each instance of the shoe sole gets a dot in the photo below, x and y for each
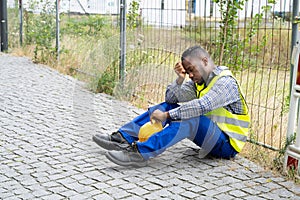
(127, 164)
(109, 145)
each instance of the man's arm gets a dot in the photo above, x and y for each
(176, 93)
(223, 93)
(179, 91)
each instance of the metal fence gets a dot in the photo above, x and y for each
(255, 43)
(257, 49)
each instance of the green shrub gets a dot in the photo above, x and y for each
(91, 25)
(40, 30)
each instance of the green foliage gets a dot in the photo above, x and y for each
(40, 30)
(133, 16)
(232, 45)
(92, 25)
(13, 27)
(278, 162)
(286, 105)
(107, 81)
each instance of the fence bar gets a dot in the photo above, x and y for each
(57, 29)
(122, 41)
(3, 20)
(294, 35)
(21, 21)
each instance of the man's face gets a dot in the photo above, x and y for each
(194, 71)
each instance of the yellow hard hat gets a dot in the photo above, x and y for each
(149, 129)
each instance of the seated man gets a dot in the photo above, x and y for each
(214, 116)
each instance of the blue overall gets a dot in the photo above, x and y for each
(201, 130)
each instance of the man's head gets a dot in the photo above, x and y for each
(197, 63)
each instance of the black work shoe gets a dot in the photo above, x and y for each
(115, 137)
(114, 141)
(126, 158)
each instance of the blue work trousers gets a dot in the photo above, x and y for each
(201, 130)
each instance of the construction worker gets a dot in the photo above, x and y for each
(214, 115)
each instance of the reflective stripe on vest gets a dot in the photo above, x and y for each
(236, 126)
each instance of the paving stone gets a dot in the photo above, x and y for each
(87, 181)
(138, 191)
(117, 182)
(262, 189)
(133, 197)
(176, 189)
(3, 190)
(78, 177)
(21, 191)
(158, 182)
(253, 197)
(189, 195)
(3, 178)
(224, 196)
(175, 181)
(6, 195)
(175, 197)
(58, 189)
(161, 193)
(271, 196)
(128, 186)
(143, 183)
(272, 185)
(103, 196)
(238, 193)
(40, 193)
(252, 191)
(77, 197)
(196, 189)
(224, 189)
(117, 193)
(25, 196)
(291, 186)
(101, 185)
(78, 187)
(92, 193)
(66, 180)
(203, 197)
(53, 196)
(68, 193)
(284, 193)
(209, 185)
(12, 198)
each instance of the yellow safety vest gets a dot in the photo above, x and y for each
(236, 126)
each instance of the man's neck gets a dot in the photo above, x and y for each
(208, 73)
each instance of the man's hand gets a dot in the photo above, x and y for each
(180, 71)
(158, 115)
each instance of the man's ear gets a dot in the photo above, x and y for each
(205, 61)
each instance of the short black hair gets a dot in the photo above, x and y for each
(194, 51)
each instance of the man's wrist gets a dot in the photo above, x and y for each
(168, 115)
(179, 81)
(174, 115)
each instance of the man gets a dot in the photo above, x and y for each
(214, 115)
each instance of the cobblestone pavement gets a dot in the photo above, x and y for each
(46, 124)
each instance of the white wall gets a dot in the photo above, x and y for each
(173, 13)
(90, 6)
(202, 9)
(281, 5)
